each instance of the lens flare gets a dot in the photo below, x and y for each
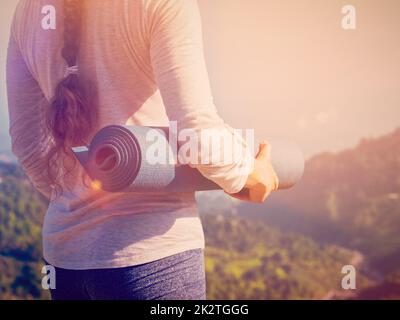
(96, 185)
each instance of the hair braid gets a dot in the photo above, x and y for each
(70, 118)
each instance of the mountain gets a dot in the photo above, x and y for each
(351, 198)
(246, 259)
(7, 157)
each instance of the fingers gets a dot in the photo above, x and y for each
(251, 196)
(242, 195)
(264, 151)
(276, 182)
(263, 180)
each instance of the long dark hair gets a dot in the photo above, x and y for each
(70, 117)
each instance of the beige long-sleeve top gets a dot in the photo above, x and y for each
(146, 60)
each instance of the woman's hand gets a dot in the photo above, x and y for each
(262, 181)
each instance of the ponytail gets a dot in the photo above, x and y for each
(69, 118)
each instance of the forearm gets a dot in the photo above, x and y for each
(180, 70)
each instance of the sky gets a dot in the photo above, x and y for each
(287, 68)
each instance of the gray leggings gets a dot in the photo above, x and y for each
(178, 277)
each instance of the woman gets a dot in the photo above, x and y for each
(116, 62)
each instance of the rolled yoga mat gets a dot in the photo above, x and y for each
(116, 158)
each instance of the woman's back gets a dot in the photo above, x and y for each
(143, 62)
(95, 229)
(114, 56)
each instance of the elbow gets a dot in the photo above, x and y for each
(27, 145)
(30, 156)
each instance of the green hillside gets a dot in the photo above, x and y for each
(352, 199)
(21, 213)
(248, 260)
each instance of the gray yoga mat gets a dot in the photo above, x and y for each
(116, 158)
